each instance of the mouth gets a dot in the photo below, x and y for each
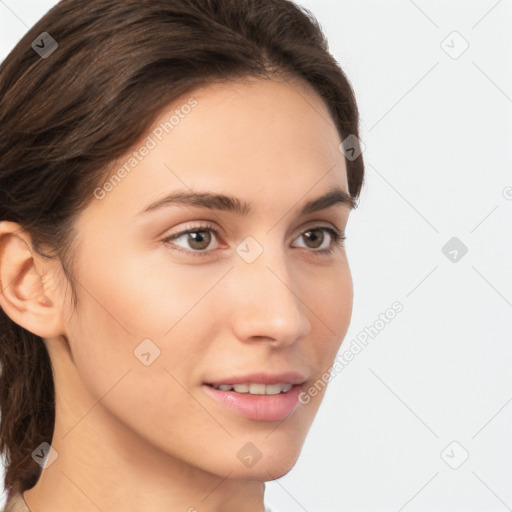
(256, 401)
(254, 388)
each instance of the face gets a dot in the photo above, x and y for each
(181, 296)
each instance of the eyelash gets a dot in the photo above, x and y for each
(338, 239)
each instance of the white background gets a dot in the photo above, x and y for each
(437, 131)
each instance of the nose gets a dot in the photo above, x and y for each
(267, 301)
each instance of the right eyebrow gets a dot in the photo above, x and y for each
(214, 201)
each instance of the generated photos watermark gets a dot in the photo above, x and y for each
(357, 344)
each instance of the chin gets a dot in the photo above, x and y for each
(264, 472)
(272, 465)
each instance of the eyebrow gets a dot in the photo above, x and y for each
(232, 204)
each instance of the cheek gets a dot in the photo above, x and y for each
(131, 312)
(144, 393)
(153, 294)
(331, 313)
(330, 301)
(136, 298)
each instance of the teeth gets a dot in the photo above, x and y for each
(256, 389)
(244, 388)
(274, 389)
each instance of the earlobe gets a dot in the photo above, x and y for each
(23, 296)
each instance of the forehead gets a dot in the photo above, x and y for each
(253, 129)
(260, 140)
(271, 110)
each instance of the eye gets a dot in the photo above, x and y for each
(335, 239)
(200, 237)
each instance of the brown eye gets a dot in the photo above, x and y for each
(316, 240)
(197, 240)
(313, 236)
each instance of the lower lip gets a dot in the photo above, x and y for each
(258, 407)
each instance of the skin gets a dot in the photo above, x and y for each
(132, 437)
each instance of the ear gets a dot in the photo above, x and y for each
(28, 291)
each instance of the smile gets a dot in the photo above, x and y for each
(255, 389)
(260, 402)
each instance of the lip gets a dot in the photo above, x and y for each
(258, 407)
(290, 377)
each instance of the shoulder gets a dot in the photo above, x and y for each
(15, 503)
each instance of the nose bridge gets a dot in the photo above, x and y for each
(267, 305)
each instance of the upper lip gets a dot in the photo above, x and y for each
(261, 378)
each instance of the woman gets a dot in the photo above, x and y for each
(175, 180)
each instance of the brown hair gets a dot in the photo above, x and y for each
(65, 118)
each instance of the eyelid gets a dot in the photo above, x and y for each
(337, 235)
(208, 225)
(200, 226)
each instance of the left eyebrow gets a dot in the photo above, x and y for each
(213, 201)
